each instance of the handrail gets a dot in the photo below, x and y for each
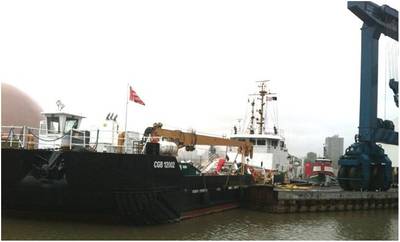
(35, 137)
(99, 140)
(11, 126)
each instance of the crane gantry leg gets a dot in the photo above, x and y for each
(365, 166)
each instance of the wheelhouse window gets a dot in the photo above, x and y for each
(253, 141)
(53, 125)
(71, 123)
(261, 142)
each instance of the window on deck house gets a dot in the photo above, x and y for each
(71, 123)
(261, 142)
(53, 125)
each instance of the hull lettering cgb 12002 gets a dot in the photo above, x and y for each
(164, 164)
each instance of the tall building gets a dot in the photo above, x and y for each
(333, 149)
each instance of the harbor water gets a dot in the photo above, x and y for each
(237, 224)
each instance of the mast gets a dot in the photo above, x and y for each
(252, 118)
(262, 94)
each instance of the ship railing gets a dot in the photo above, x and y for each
(106, 141)
(12, 136)
(25, 137)
(279, 132)
(132, 142)
(96, 140)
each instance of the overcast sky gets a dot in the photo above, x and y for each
(192, 62)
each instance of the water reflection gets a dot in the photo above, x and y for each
(372, 225)
(232, 225)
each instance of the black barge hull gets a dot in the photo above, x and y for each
(140, 189)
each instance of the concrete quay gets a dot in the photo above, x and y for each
(317, 199)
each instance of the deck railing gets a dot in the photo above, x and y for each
(24, 137)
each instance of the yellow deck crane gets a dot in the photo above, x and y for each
(190, 139)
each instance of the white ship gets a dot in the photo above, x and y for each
(269, 147)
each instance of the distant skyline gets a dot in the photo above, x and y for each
(194, 62)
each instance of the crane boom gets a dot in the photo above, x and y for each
(185, 139)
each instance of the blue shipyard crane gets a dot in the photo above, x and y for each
(365, 166)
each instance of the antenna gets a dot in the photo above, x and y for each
(60, 105)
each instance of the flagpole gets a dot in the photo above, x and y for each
(126, 114)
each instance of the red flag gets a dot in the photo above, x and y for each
(134, 97)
